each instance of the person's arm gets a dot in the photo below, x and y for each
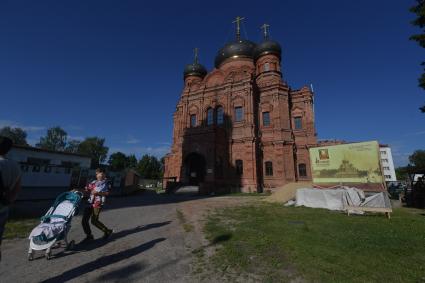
(103, 194)
(13, 193)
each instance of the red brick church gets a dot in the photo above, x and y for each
(241, 127)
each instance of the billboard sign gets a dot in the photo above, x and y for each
(346, 163)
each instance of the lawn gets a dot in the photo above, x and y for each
(280, 244)
(19, 228)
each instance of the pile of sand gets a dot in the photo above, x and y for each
(287, 192)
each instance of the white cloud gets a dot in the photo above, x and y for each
(27, 128)
(417, 133)
(33, 141)
(132, 141)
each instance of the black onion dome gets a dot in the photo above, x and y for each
(194, 69)
(267, 47)
(238, 48)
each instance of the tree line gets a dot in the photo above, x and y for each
(56, 139)
(416, 160)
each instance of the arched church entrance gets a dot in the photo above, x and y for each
(195, 168)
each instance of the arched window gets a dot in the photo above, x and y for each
(238, 114)
(267, 67)
(266, 119)
(210, 116)
(298, 123)
(220, 115)
(239, 167)
(193, 120)
(268, 168)
(302, 170)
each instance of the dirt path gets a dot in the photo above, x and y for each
(150, 244)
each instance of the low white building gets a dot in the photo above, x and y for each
(387, 163)
(46, 173)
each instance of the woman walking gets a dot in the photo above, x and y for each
(99, 190)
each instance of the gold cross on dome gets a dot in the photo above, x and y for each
(238, 26)
(265, 27)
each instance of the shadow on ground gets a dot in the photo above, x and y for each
(105, 261)
(121, 273)
(137, 267)
(220, 238)
(124, 272)
(92, 245)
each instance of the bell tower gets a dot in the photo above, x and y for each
(267, 54)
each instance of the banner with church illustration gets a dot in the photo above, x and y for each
(347, 163)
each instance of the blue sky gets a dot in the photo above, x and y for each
(114, 68)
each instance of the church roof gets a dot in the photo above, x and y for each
(267, 47)
(195, 69)
(236, 49)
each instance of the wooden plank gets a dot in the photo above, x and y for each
(386, 211)
(369, 209)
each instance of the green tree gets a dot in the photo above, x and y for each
(162, 160)
(118, 161)
(73, 146)
(419, 11)
(95, 148)
(156, 171)
(55, 139)
(143, 167)
(417, 159)
(17, 135)
(149, 167)
(131, 161)
(401, 173)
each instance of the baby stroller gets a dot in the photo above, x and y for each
(55, 225)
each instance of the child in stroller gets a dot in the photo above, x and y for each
(55, 224)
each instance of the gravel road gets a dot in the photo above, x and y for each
(149, 245)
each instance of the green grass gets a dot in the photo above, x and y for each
(19, 228)
(182, 219)
(281, 243)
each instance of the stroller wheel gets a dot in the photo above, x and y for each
(71, 245)
(31, 256)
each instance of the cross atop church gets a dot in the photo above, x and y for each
(265, 28)
(237, 21)
(195, 55)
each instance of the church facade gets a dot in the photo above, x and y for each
(241, 127)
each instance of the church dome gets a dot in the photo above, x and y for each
(267, 47)
(239, 48)
(194, 69)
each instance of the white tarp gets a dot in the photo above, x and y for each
(50, 230)
(338, 199)
(377, 200)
